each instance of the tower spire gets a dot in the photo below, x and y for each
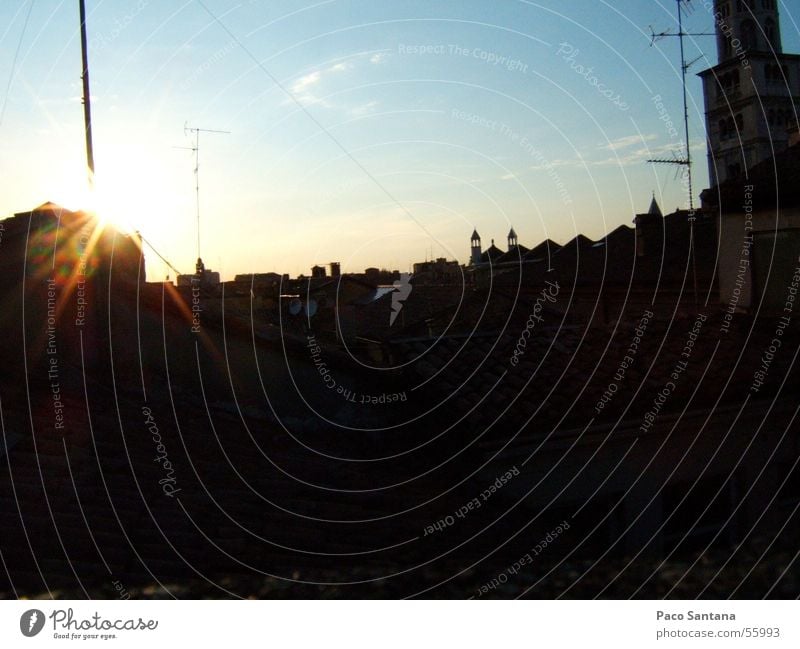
(475, 248)
(512, 239)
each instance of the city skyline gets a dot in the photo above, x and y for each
(373, 139)
(587, 391)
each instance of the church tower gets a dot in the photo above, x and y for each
(512, 239)
(475, 248)
(753, 93)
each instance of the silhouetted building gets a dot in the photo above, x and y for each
(259, 279)
(516, 251)
(491, 254)
(759, 234)
(203, 276)
(649, 230)
(59, 269)
(439, 270)
(475, 249)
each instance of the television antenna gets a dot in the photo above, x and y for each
(196, 149)
(682, 160)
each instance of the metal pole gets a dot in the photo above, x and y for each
(685, 108)
(196, 148)
(197, 184)
(688, 156)
(87, 104)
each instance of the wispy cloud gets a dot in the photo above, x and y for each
(306, 81)
(623, 155)
(643, 152)
(558, 162)
(364, 109)
(627, 141)
(304, 88)
(548, 165)
(638, 156)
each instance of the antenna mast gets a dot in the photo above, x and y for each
(687, 160)
(196, 148)
(87, 105)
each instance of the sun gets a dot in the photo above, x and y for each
(139, 186)
(132, 191)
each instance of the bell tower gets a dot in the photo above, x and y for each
(512, 239)
(752, 94)
(475, 248)
(746, 25)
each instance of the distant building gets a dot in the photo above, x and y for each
(515, 252)
(475, 248)
(202, 276)
(61, 269)
(657, 254)
(438, 271)
(649, 230)
(336, 269)
(752, 95)
(318, 272)
(494, 255)
(259, 279)
(491, 254)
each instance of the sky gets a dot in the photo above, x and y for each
(369, 132)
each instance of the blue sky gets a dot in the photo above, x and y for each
(420, 121)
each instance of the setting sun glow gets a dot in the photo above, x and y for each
(131, 192)
(135, 192)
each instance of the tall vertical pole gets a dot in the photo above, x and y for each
(196, 149)
(681, 34)
(87, 103)
(197, 184)
(688, 153)
(687, 161)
